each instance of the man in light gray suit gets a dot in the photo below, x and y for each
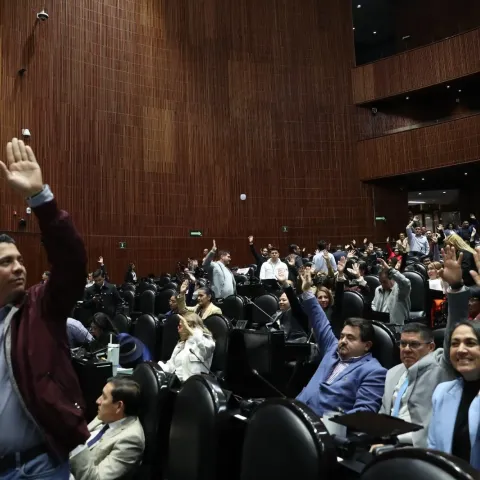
(116, 442)
(409, 386)
(221, 277)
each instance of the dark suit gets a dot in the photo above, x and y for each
(110, 300)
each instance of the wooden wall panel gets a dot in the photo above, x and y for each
(439, 62)
(426, 148)
(151, 117)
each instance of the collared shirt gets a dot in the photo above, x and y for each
(270, 270)
(340, 367)
(418, 243)
(77, 333)
(18, 432)
(321, 265)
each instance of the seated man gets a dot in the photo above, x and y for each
(410, 385)
(116, 442)
(77, 334)
(393, 296)
(348, 378)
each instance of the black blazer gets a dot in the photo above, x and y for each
(468, 263)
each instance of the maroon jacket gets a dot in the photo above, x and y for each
(37, 340)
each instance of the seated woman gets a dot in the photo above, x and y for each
(435, 282)
(454, 427)
(468, 261)
(196, 338)
(132, 350)
(204, 307)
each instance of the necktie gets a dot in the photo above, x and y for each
(98, 436)
(398, 400)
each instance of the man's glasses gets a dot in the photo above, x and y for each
(412, 345)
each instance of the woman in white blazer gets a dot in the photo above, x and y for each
(454, 427)
(194, 352)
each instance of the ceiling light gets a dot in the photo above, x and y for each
(428, 218)
(448, 86)
(374, 33)
(354, 28)
(407, 98)
(415, 202)
(423, 179)
(466, 173)
(359, 6)
(420, 193)
(444, 192)
(460, 91)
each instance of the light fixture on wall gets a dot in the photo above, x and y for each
(42, 16)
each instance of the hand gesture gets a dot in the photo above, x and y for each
(416, 219)
(388, 239)
(440, 228)
(351, 254)
(100, 260)
(290, 260)
(341, 266)
(250, 239)
(472, 216)
(22, 171)
(473, 273)
(365, 240)
(354, 242)
(306, 278)
(354, 270)
(282, 276)
(214, 248)
(184, 286)
(384, 264)
(452, 268)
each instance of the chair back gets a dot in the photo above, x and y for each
(170, 337)
(142, 286)
(439, 336)
(171, 286)
(234, 307)
(149, 330)
(147, 302)
(162, 299)
(353, 304)
(373, 282)
(128, 287)
(418, 464)
(285, 440)
(422, 269)
(385, 349)
(122, 323)
(157, 405)
(418, 295)
(220, 328)
(195, 430)
(129, 298)
(269, 304)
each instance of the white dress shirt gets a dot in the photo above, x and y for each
(403, 412)
(269, 269)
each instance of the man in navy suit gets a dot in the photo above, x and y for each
(348, 378)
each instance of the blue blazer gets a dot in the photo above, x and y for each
(446, 400)
(358, 388)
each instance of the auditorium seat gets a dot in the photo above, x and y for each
(129, 298)
(142, 286)
(128, 287)
(269, 304)
(385, 349)
(234, 308)
(353, 304)
(155, 417)
(285, 440)
(122, 323)
(169, 337)
(220, 328)
(149, 330)
(195, 431)
(418, 297)
(421, 269)
(438, 336)
(147, 302)
(373, 282)
(418, 464)
(162, 300)
(171, 286)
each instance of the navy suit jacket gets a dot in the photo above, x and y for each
(358, 388)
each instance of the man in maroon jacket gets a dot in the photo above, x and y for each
(41, 404)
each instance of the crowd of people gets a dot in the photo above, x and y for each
(43, 432)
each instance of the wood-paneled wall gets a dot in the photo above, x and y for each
(151, 117)
(426, 148)
(440, 62)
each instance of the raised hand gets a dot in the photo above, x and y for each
(354, 242)
(184, 286)
(341, 266)
(383, 264)
(452, 268)
(355, 271)
(475, 275)
(365, 240)
(306, 278)
(100, 260)
(388, 239)
(282, 276)
(416, 218)
(440, 228)
(291, 260)
(22, 171)
(351, 254)
(214, 248)
(250, 239)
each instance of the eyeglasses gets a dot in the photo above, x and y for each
(412, 345)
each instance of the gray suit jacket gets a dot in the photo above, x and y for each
(426, 374)
(221, 278)
(114, 456)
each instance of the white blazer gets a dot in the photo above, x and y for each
(183, 363)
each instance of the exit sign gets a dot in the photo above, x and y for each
(380, 219)
(195, 233)
(122, 245)
(284, 229)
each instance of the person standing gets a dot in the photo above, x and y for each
(41, 404)
(273, 266)
(220, 276)
(417, 242)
